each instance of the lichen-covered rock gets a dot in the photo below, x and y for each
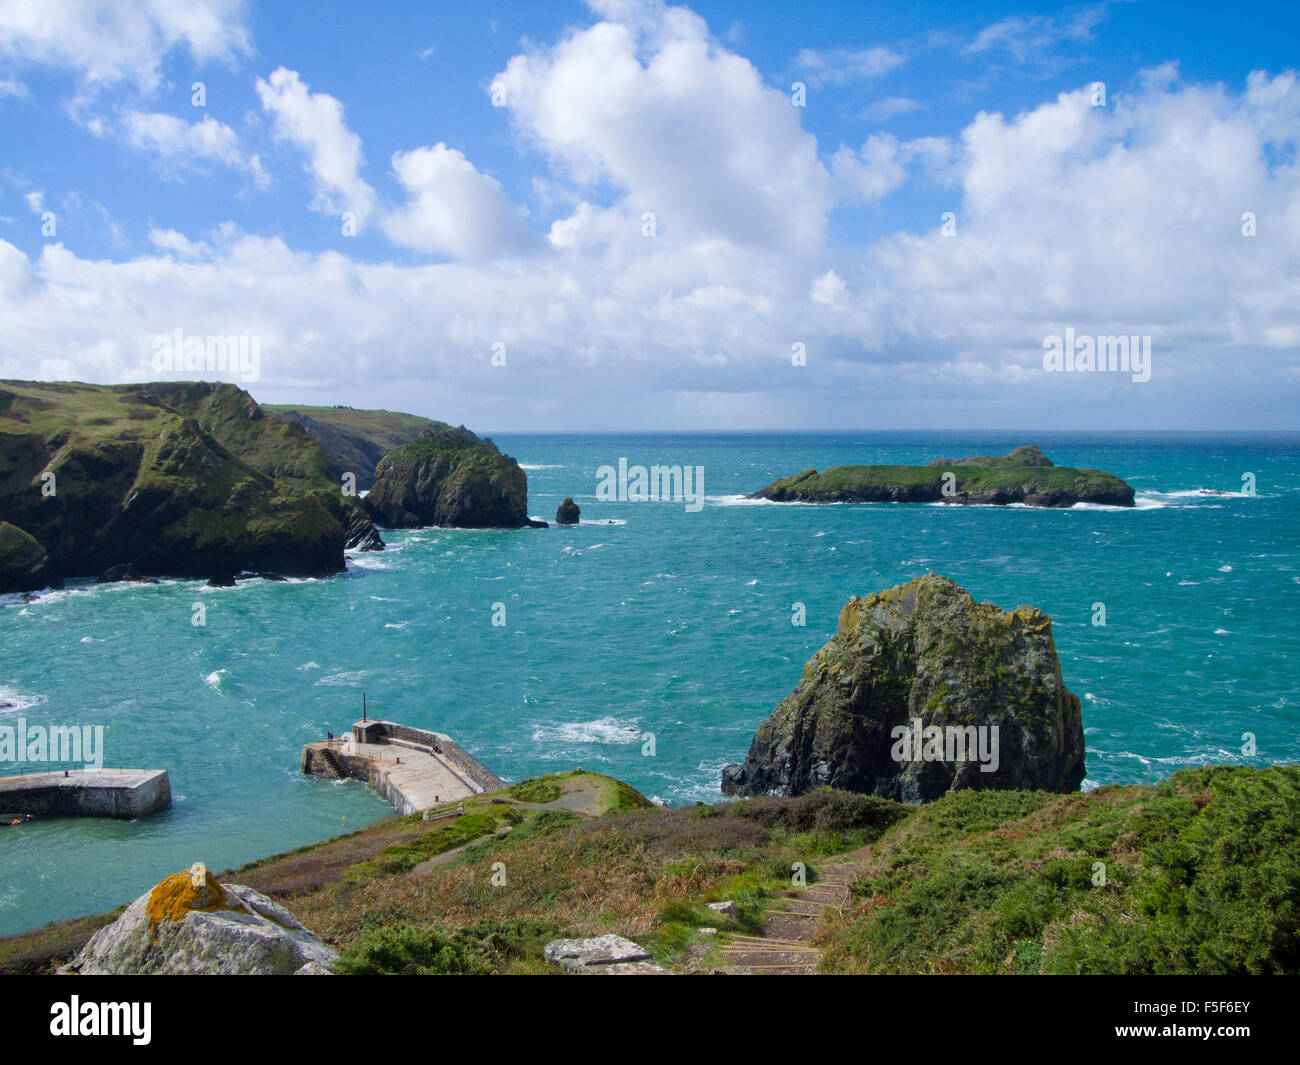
(192, 925)
(903, 700)
(449, 478)
(568, 512)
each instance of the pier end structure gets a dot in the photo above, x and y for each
(121, 793)
(414, 769)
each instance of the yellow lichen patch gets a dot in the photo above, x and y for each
(190, 889)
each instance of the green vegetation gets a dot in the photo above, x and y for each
(1022, 476)
(1202, 875)
(182, 479)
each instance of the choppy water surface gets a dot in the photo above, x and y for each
(648, 618)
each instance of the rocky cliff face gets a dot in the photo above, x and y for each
(356, 440)
(902, 701)
(449, 478)
(176, 479)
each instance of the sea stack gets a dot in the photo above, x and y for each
(568, 512)
(921, 691)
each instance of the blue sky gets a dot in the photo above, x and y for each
(623, 200)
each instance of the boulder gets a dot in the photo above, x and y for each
(568, 512)
(922, 691)
(192, 925)
(607, 955)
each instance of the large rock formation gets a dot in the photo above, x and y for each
(191, 925)
(902, 701)
(24, 564)
(177, 479)
(568, 512)
(450, 478)
(1024, 475)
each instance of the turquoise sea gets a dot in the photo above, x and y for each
(649, 618)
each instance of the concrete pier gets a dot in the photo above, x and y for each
(413, 769)
(123, 793)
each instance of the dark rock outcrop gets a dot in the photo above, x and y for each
(568, 512)
(1025, 475)
(24, 563)
(449, 478)
(361, 534)
(922, 654)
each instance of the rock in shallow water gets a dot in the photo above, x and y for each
(903, 702)
(192, 925)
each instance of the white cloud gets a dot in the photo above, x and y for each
(891, 107)
(829, 289)
(313, 122)
(882, 164)
(177, 243)
(108, 41)
(683, 127)
(1026, 37)
(177, 145)
(453, 209)
(839, 66)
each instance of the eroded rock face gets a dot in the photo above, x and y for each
(568, 512)
(191, 925)
(902, 701)
(449, 478)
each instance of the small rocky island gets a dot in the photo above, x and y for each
(568, 512)
(902, 701)
(1024, 475)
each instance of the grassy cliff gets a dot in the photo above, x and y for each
(1201, 875)
(178, 479)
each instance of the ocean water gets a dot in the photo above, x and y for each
(649, 618)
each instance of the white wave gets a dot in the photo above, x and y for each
(1222, 632)
(602, 730)
(539, 466)
(213, 679)
(602, 521)
(308, 665)
(750, 584)
(1225, 569)
(396, 624)
(344, 679)
(365, 562)
(15, 702)
(743, 501)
